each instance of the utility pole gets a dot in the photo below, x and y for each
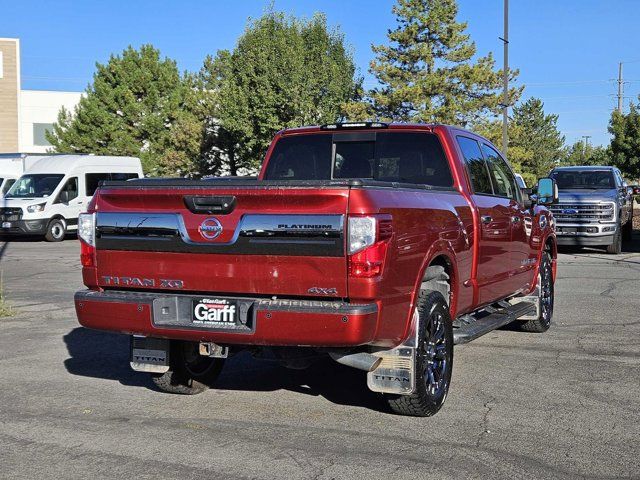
(505, 79)
(620, 88)
(584, 148)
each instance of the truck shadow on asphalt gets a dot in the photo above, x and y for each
(106, 356)
(630, 246)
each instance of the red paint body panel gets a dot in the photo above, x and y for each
(238, 274)
(488, 262)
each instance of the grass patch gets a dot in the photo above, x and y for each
(6, 310)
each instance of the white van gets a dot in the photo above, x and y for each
(47, 199)
(12, 165)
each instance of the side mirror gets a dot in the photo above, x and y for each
(63, 197)
(547, 191)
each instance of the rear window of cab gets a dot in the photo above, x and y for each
(404, 157)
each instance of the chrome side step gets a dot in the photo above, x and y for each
(469, 327)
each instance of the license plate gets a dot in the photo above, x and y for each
(6, 224)
(215, 313)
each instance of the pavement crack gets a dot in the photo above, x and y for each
(611, 286)
(484, 424)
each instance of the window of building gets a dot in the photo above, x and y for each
(39, 137)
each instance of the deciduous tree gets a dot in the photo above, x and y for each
(283, 72)
(625, 144)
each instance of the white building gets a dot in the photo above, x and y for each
(25, 115)
(38, 111)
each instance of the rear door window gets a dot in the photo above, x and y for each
(503, 179)
(476, 166)
(92, 180)
(412, 157)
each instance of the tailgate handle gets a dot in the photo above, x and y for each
(220, 204)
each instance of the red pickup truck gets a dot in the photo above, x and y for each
(379, 245)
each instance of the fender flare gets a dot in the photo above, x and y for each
(440, 248)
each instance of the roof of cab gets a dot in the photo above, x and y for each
(66, 163)
(369, 125)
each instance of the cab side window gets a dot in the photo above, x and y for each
(69, 191)
(476, 166)
(504, 181)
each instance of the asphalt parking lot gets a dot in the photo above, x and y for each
(563, 404)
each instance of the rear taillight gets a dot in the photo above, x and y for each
(87, 255)
(86, 233)
(368, 240)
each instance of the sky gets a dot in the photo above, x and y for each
(567, 51)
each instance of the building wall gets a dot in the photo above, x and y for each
(9, 92)
(38, 111)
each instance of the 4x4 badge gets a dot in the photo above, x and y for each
(210, 228)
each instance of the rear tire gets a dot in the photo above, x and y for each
(56, 230)
(545, 275)
(616, 247)
(189, 372)
(434, 359)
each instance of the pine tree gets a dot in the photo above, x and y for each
(283, 72)
(584, 154)
(428, 72)
(536, 133)
(535, 143)
(131, 108)
(625, 144)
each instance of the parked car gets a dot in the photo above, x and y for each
(12, 165)
(595, 207)
(379, 245)
(48, 198)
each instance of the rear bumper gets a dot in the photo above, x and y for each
(25, 227)
(274, 322)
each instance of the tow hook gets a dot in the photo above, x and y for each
(210, 349)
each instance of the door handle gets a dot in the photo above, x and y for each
(486, 219)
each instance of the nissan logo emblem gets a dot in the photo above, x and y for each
(210, 228)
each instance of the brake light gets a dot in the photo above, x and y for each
(87, 255)
(368, 240)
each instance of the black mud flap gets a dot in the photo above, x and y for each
(149, 354)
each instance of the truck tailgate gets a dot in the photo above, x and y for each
(263, 240)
